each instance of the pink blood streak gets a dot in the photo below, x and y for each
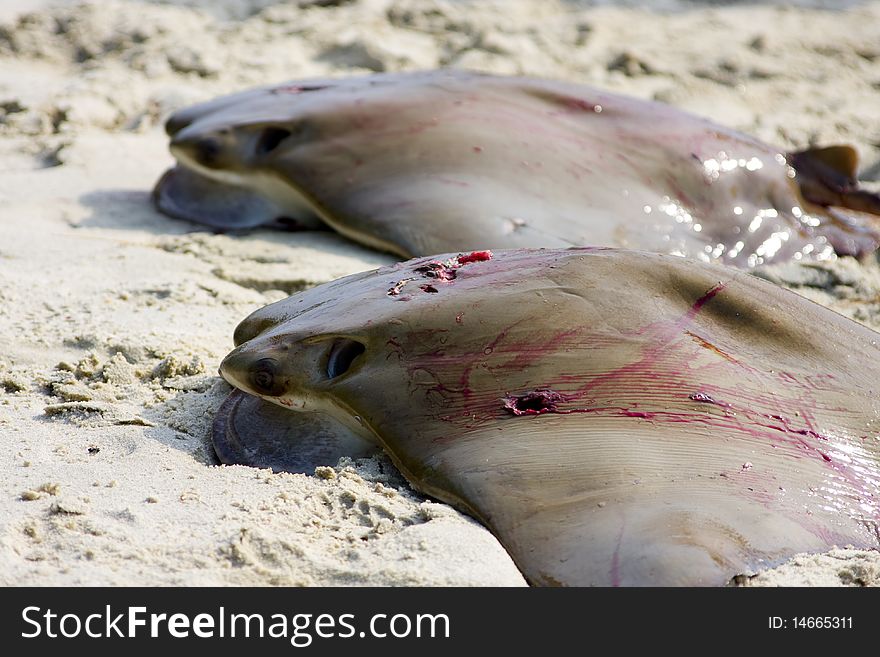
(703, 300)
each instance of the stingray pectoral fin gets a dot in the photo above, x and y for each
(833, 163)
(250, 431)
(587, 500)
(851, 232)
(862, 200)
(422, 214)
(185, 194)
(828, 176)
(663, 538)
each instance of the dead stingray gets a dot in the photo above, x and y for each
(613, 417)
(421, 163)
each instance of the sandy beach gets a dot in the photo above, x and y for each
(115, 317)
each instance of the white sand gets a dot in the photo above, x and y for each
(115, 317)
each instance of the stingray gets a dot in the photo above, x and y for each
(430, 162)
(613, 417)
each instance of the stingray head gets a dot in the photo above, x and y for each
(387, 348)
(293, 368)
(233, 150)
(324, 151)
(248, 134)
(296, 371)
(227, 151)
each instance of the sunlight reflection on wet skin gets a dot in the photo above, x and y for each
(722, 164)
(715, 166)
(847, 493)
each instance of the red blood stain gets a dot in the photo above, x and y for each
(642, 414)
(703, 300)
(474, 256)
(535, 402)
(445, 272)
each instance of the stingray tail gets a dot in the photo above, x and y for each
(827, 177)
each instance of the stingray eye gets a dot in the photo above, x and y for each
(343, 354)
(263, 376)
(270, 139)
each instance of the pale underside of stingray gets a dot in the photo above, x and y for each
(613, 417)
(421, 163)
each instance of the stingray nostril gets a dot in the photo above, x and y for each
(270, 139)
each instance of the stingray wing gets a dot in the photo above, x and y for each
(423, 213)
(586, 500)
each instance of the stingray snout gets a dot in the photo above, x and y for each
(206, 150)
(178, 121)
(253, 373)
